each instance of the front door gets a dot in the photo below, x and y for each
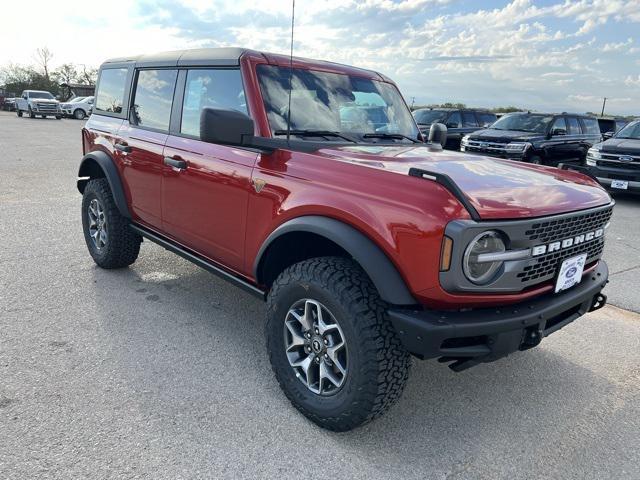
(205, 194)
(142, 140)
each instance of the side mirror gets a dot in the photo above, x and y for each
(438, 134)
(608, 135)
(558, 131)
(226, 127)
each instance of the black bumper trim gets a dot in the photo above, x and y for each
(484, 335)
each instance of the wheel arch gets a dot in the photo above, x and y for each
(334, 238)
(101, 165)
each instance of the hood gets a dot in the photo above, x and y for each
(497, 188)
(503, 136)
(620, 145)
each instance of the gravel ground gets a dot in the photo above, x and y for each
(160, 371)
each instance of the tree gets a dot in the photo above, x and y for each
(43, 57)
(88, 76)
(66, 73)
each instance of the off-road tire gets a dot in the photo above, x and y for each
(79, 114)
(378, 365)
(123, 245)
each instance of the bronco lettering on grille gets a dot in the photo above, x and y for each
(567, 242)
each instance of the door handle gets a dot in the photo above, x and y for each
(123, 147)
(175, 162)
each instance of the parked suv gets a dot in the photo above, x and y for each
(367, 244)
(78, 107)
(616, 161)
(38, 102)
(539, 138)
(459, 122)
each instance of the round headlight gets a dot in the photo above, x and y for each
(477, 269)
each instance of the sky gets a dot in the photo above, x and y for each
(552, 55)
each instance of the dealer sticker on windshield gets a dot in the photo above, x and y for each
(570, 272)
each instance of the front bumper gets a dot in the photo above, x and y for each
(484, 335)
(605, 175)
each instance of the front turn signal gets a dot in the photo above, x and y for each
(445, 254)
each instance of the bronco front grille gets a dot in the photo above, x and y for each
(562, 228)
(546, 266)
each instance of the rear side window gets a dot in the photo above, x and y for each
(486, 119)
(591, 126)
(111, 87)
(469, 119)
(153, 98)
(574, 126)
(210, 88)
(454, 121)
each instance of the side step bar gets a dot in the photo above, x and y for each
(198, 260)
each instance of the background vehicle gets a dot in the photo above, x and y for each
(616, 161)
(539, 138)
(9, 104)
(459, 122)
(78, 108)
(368, 244)
(38, 102)
(611, 125)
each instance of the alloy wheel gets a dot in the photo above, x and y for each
(315, 347)
(97, 224)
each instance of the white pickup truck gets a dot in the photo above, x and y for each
(38, 102)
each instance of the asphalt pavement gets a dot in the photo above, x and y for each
(160, 370)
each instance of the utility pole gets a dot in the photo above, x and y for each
(603, 104)
(413, 101)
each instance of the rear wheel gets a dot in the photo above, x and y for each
(332, 349)
(78, 114)
(111, 243)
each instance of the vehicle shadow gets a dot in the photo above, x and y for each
(196, 343)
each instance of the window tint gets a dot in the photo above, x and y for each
(454, 121)
(153, 98)
(591, 126)
(469, 119)
(486, 119)
(574, 126)
(111, 86)
(210, 88)
(559, 124)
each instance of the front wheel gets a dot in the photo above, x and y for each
(333, 351)
(58, 117)
(31, 114)
(111, 243)
(79, 114)
(19, 112)
(536, 160)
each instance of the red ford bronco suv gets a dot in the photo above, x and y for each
(308, 184)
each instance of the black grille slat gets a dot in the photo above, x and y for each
(562, 228)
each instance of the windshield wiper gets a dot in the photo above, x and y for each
(395, 136)
(315, 133)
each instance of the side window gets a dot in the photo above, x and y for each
(454, 120)
(210, 88)
(574, 126)
(111, 87)
(590, 126)
(486, 119)
(153, 98)
(559, 124)
(469, 119)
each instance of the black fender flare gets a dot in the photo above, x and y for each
(380, 269)
(103, 161)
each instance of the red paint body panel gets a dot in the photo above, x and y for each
(213, 209)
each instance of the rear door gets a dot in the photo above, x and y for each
(454, 126)
(142, 140)
(575, 147)
(204, 203)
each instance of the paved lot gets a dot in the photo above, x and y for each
(159, 370)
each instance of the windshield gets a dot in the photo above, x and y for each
(428, 117)
(354, 106)
(631, 131)
(524, 123)
(40, 95)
